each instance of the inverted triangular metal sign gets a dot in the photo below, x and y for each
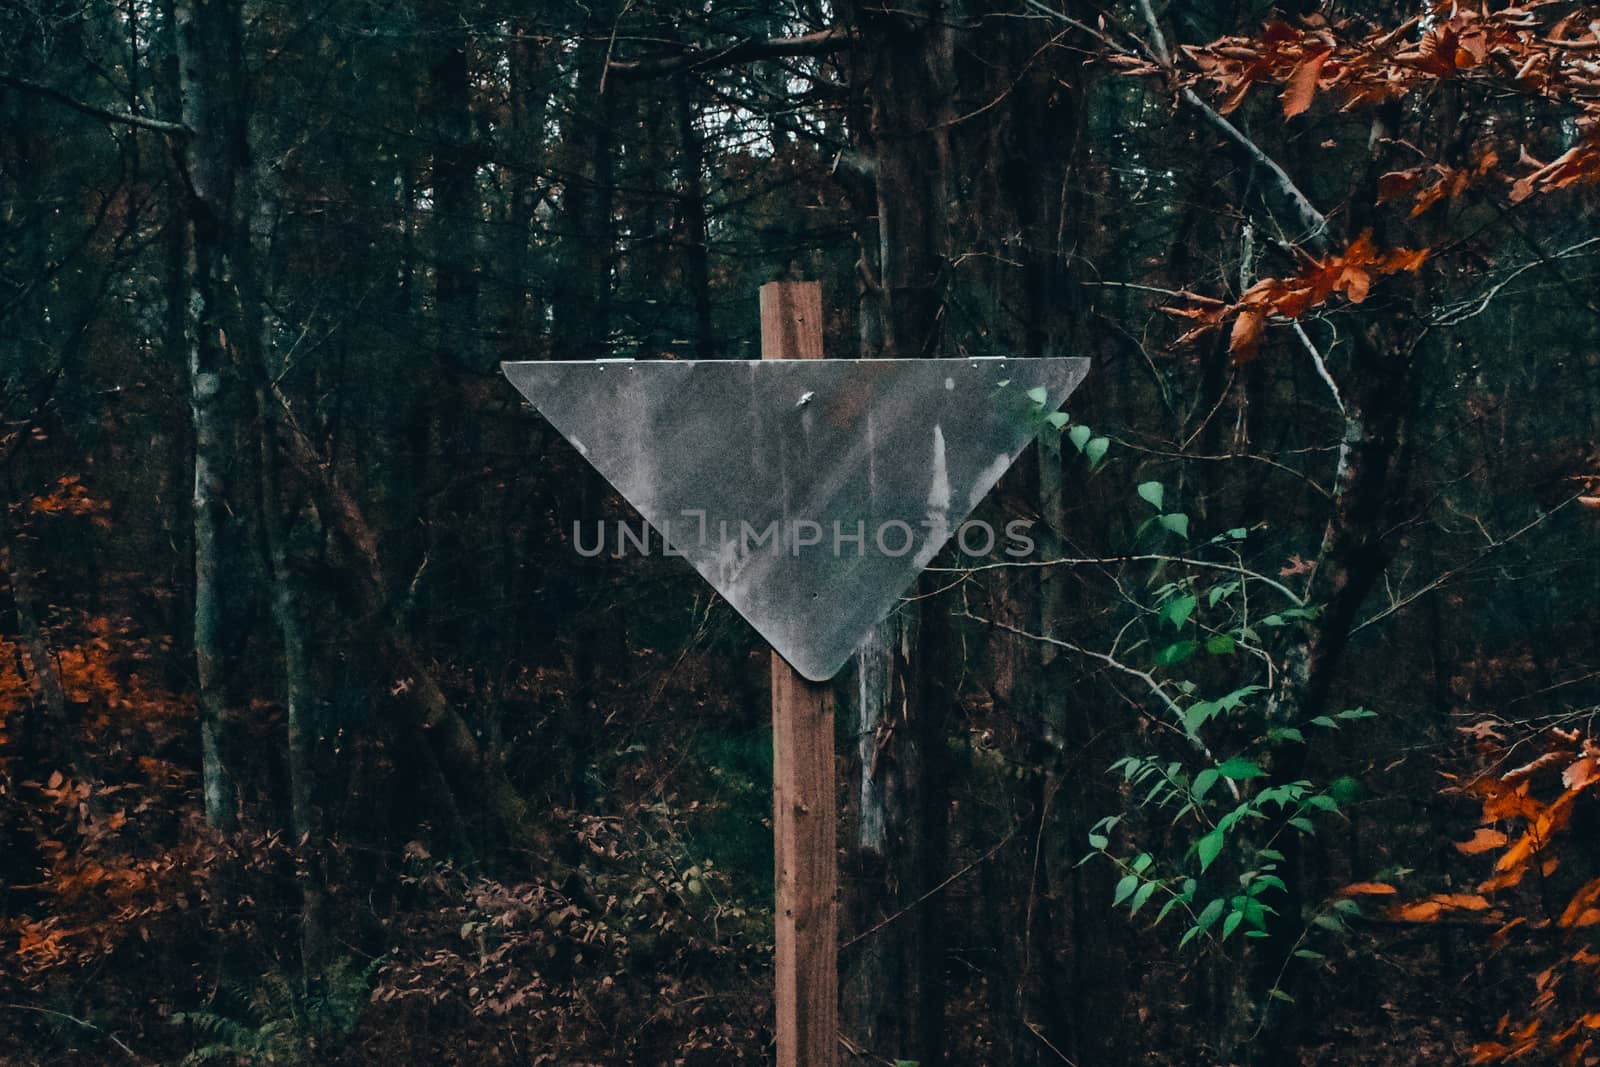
(809, 493)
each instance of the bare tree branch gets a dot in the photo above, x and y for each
(820, 43)
(1490, 549)
(27, 85)
(1096, 561)
(1315, 222)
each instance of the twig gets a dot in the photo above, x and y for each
(863, 935)
(1458, 313)
(1116, 664)
(28, 85)
(1316, 222)
(1447, 575)
(822, 42)
(1322, 367)
(1091, 561)
(134, 1056)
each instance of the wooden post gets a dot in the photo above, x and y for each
(803, 823)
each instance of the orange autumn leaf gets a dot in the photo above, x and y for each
(1580, 910)
(1581, 773)
(1429, 909)
(1246, 336)
(1367, 889)
(1302, 85)
(1548, 822)
(1350, 274)
(1483, 840)
(1518, 774)
(1503, 881)
(1397, 183)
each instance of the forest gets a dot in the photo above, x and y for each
(320, 743)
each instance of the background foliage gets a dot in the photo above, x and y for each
(319, 745)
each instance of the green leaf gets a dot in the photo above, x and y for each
(1125, 889)
(1079, 436)
(1278, 994)
(1220, 645)
(1098, 841)
(1095, 450)
(1188, 936)
(1212, 913)
(1238, 533)
(1231, 923)
(1204, 781)
(1196, 715)
(1264, 882)
(1039, 395)
(1324, 722)
(1309, 954)
(1305, 826)
(1217, 592)
(1357, 713)
(1176, 653)
(1345, 790)
(1286, 733)
(1166, 909)
(1177, 611)
(1141, 863)
(1238, 768)
(1142, 897)
(1178, 523)
(1328, 922)
(1058, 419)
(1209, 848)
(1238, 696)
(1152, 493)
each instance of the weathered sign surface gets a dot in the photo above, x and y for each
(809, 493)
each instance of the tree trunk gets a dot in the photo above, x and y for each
(582, 325)
(692, 221)
(209, 51)
(16, 566)
(529, 104)
(894, 987)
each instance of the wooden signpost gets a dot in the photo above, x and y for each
(810, 493)
(805, 845)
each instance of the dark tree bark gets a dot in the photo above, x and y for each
(581, 328)
(894, 984)
(209, 49)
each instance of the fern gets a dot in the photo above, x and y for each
(282, 1022)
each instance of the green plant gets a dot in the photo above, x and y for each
(282, 1021)
(1211, 791)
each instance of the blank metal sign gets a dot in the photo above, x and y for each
(809, 493)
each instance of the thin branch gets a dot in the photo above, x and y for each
(134, 1056)
(27, 85)
(863, 935)
(1157, 38)
(820, 43)
(1322, 367)
(1489, 550)
(1114, 663)
(1316, 222)
(1091, 561)
(1456, 314)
